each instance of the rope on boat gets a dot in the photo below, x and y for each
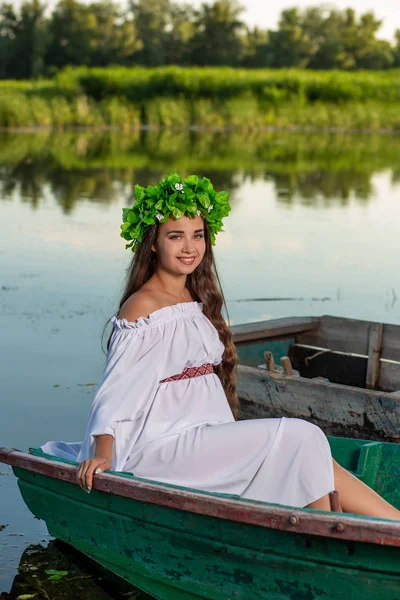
(309, 358)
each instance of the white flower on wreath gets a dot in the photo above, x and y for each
(210, 208)
(179, 187)
(198, 213)
(159, 216)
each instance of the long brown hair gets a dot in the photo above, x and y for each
(204, 286)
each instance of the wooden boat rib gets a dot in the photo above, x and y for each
(348, 374)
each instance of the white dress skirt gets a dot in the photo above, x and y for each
(183, 432)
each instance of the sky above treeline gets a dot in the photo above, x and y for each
(266, 14)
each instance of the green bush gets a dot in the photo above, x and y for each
(139, 84)
(167, 112)
(204, 97)
(41, 111)
(14, 110)
(118, 112)
(62, 112)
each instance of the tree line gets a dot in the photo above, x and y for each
(37, 43)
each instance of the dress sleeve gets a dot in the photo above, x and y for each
(130, 381)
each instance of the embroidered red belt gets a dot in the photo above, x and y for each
(190, 372)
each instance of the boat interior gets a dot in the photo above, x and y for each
(350, 352)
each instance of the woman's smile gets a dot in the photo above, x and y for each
(186, 261)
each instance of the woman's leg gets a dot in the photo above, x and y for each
(356, 497)
(321, 504)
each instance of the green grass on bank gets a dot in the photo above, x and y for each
(204, 97)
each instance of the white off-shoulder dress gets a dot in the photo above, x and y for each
(182, 431)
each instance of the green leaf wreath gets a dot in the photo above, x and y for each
(173, 196)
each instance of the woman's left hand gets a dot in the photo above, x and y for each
(89, 467)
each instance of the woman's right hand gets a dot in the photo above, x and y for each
(89, 467)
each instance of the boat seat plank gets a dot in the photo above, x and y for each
(275, 328)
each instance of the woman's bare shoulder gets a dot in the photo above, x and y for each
(140, 304)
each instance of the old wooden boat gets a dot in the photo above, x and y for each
(178, 543)
(341, 374)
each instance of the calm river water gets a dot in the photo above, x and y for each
(314, 229)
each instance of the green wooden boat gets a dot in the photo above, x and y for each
(179, 544)
(341, 374)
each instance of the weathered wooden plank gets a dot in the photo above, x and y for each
(351, 335)
(335, 333)
(391, 342)
(337, 409)
(374, 355)
(234, 509)
(275, 328)
(389, 376)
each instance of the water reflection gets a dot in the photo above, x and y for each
(80, 578)
(323, 188)
(310, 169)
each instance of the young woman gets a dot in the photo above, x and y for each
(166, 406)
